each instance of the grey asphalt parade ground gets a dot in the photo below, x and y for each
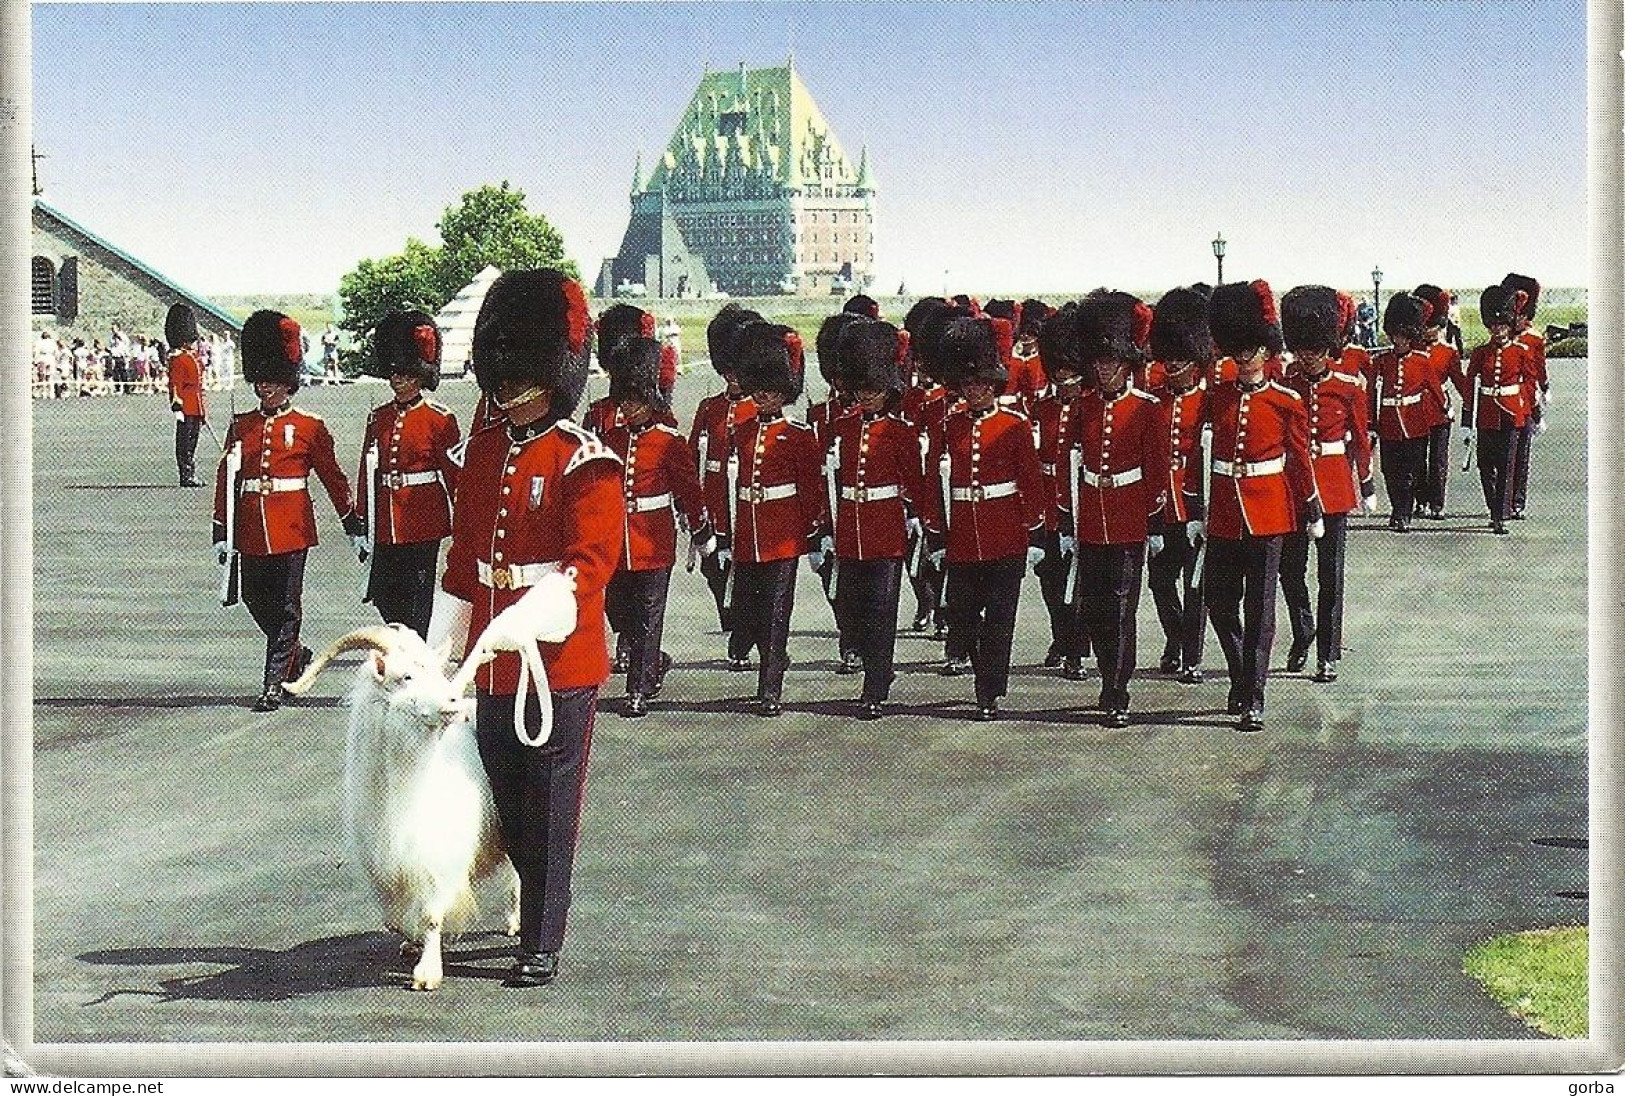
(815, 877)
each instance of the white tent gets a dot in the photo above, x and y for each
(456, 322)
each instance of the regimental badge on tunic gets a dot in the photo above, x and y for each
(536, 483)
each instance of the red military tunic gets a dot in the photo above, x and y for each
(1339, 442)
(533, 495)
(996, 488)
(1225, 370)
(780, 498)
(1183, 416)
(1354, 363)
(1051, 413)
(1447, 364)
(604, 415)
(1026, 381)
(823, 416)
(658, 483)
(186, 384)
(1262, 476)
(417, 474)
(1534, 346)
(879, 479)
(1407, 394)
(280, 451)
(714, 420)
(1506, 378)
(1120, 445)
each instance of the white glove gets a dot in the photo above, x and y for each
(448, 624)
(707, 546)
(1069, 547)
(545, 614)
(1369, 503)
(938, 558)
(220, 551)
(1543, 398)
(725, 556)
(827, 545)
(815, 559)
(913, 527)
(359, 543)
(1540, 425)
(1317, 528)
(180, 416)
(1466, 435)
(1035, 555)
(1195, 531)
(1153, 543)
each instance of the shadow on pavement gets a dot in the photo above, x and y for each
(234, 701)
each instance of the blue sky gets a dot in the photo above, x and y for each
(1018, 146)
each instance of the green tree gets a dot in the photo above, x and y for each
(488, 226)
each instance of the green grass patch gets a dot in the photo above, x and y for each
(1538, 976)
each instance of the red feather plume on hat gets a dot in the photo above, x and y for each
(902, 346)
(646, 324)
(1004, 337)
(427, 341)
(1346, 309)
(1141, 332)
(1427, 311)
(798, 360)
(1266, 302)
(292, 347)
(578, 320)
(1520, 299)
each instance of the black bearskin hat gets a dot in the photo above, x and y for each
(863, 305)
(720, 331)
(1496, 305)
(407, 342)
(272, 349)
(634, 371)
(1242, 317)
(828, 346)
(534, 327)
(1523, 283)
(925, 325)
(1179, 331)
(871, 355)
(1438, 302)
(769, 358)
(1113, 326)
(622, 321)
(1311, 319)
(1058, 343)
(1033, 314)
(180, 326)
(966, 349)
(1405, 315)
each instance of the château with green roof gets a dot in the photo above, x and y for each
(753, 195)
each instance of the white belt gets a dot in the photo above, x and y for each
(1331, 448)
(766, 494)
(396, 480)
(1504, 390)
(1253, 468)
(1047, 469)
(983, 491)
(713, 466)
(515, 576)
(639, 503)
(1403, 401)
(274, 484)
(869, 494)
(1121, 479)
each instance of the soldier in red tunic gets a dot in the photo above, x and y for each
(1262, 488)
(1183, 354)
(274, 449)
(408, 474)
(992, 526)
(1495, 399)
(1430, 495)
(1340, 448)
(1052, 416)
(1019, 354)
(824, 418)
(1407, 403)
(185, 390)
(782, 509)
(878, 479)
(621, 321)
(709, 437)
(661, 488)
(1116, 447)
(926, 404)
(1537, 387)
(537, 528)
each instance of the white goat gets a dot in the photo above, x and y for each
(418, 808)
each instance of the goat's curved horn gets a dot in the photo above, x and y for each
(379, 637)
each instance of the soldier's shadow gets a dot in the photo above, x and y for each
(366, 960)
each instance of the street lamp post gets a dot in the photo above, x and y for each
(1376, 291)
(1218, 253)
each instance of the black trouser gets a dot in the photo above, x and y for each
(826, 576)
(1436, 468)
(186, 434)
(764, 596)
(982, 599)
(1330, 552)
(1497, 453)
(273, 588)
(1404, 463)
(635, 602)
(538, 790)
(1240, 586)
(866, 605)
(926, 581)
(1052, 571)
(1520, 463)
(401, 583)
(1176, 590)
(715, 573)
(1108, 605)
